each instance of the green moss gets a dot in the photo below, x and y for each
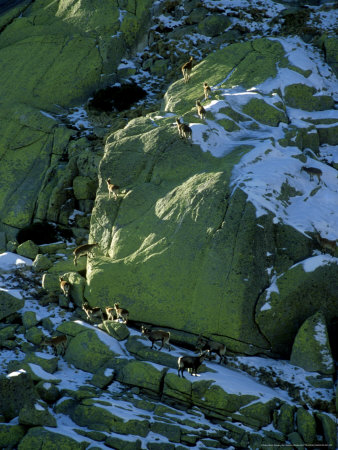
(141, 374)
(306, 425)
(264, 113)
(11, 435)
(301, 294)
(302, 96)
(311, 349)
(38, 437)
(228, 125)
(87, 352)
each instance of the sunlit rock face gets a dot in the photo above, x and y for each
(51, 58)
(204, 234)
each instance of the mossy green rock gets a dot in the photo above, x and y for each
(46, 361)
(212, 397)
(88, 352)
(311, 349)
(48, 392)
(214, 25)
(264, 113)
(301, 294)
(117, 330)
(84, 188)
(141, 374)
(123, 444)
(11, 435)
(306, 425)
(140, 348)
(28, 249)
(34, 335)
(16, 391)
(177, 388)
(29, 319)
(41, 263)
(9, 304)
(302, 96)
(39, 437)
(328, 134)
(329, 424)
(37, 414)
(284, 420)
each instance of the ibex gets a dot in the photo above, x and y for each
(92, 313)
(110, 313)
(190, 362)
(58, 343)
(312, 171)
(64, 286)
(112, 188)
(326, 244)
(186, 69)
(156, 335)
(83, 250)
(212, 347)
(183, 130)
(200, 110)
(121, 313)
(207, 90)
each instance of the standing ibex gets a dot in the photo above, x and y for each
(112, 188)
(190, 362)
(156, 335)
(121, 313)
(92, 313)
(207, 90)
(183, 129)
(312, 171)
(58, 343)
(83, 250)
(64, 286)
(200, 110)
(186, 69)
(213, 347)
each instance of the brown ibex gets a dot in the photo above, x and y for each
(312, 171)
(183, 129)
(186, 69)
(207, 90)
(64, 286)
(92, 313)
(121, 313)
(190, 362)
(200, 110)
(326, 244)
(156, 335)
(112, 188)
(213, 347)
(83, 250)
(58, 343)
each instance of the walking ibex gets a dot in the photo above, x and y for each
(186, 69)
(200, 110)
(58, 343)
(156, 335)
(312, 171)
(183, 129)
(83, 250)
(207, 90)
(112, 188)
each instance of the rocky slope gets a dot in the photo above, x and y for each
(223, 235)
